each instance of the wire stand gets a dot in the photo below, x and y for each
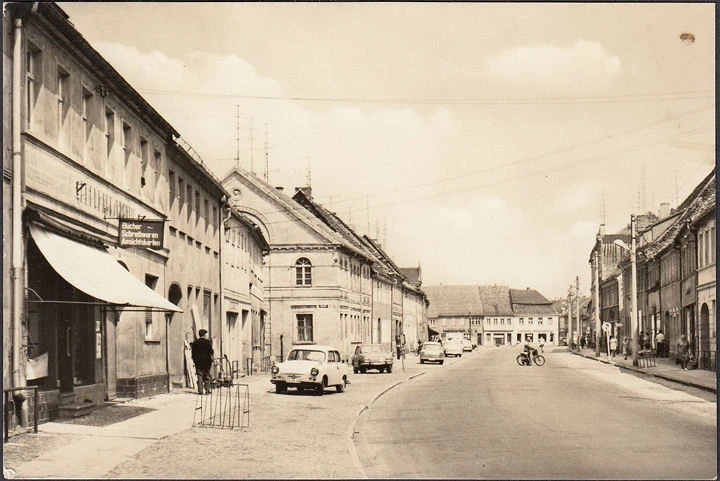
(227, 406)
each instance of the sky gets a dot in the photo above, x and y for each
(485, 142)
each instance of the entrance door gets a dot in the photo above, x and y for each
(110, 355)
(65, 348)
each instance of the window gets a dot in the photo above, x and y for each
(87, 125)
(143, 162)
(151, 282)
(189, 200)
(712, 244)
(63, 104)
(303, 276)
(197, 208)
(110, 137)
(32, 81)
(171, 181)
(540, 321)
(304, 327)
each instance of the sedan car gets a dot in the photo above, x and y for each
(432, 352)
(372, 356)
(453, 348)
(467, 345)
(311, 367)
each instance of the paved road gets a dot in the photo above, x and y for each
(486, 417)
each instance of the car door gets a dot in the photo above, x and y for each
(335, 360)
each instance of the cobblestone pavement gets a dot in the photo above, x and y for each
(293, 435)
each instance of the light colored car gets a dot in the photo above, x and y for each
(311, 367)
(467, 345)
(432, 352)
(453, 348)
(372, 356)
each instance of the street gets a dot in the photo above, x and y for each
(487, 417)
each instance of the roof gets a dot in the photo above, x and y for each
(453, 301)
(527, 296)
(534, 309)
(495, 300)
(413, 275)
(694, 208)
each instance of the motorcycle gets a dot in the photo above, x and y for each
(537, 357)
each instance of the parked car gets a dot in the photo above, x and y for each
(432, 352)
(562, 341)
(372, 356)
(311, 367)
(453, 348)
(467, 345)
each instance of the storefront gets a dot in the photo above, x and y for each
(76, 293)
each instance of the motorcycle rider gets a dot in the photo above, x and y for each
(529, 351)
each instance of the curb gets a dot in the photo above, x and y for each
(353, 425)
(657, 375)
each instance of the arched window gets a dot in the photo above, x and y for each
(303, 275)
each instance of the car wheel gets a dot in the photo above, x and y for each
(280, 388)
(388, 369)
(362, 370)
(422, 361)
(343, 384)
(441, 362)
(356, 370)
(319, 389)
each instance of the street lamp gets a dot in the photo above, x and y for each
(634, 296)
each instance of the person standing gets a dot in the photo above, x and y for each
(613, 346)
(683, 352)
(625, 346)
(660, 343)
(202, 356)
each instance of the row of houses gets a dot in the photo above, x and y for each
(492, 315)
(676, 275)
(120, 244)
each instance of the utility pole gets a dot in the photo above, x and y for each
(596, 302)
(569, 318)
(634, 314)
(577, 306)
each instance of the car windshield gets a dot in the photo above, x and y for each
(431, 347)
(306, 355)
(371, 348)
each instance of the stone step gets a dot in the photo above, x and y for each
(67, 398)
(76, 410)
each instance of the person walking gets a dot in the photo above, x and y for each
(613, 346)
(660, 343)
(625, 346)
(202, 356)
(683, 352)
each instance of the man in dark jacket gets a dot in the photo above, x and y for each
(202, 356)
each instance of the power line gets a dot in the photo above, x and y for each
(623, 98)
(510, 179)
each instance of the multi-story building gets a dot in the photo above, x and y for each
(499, 324)
(535, 316)
(455, 311)
(88, 204)
(703, 223)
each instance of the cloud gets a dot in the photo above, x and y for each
(583, 65)
(578, 197)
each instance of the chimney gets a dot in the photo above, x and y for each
(664, 210)
(279, 188)
(305, 190)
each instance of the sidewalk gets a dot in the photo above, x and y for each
(130, 448)
(665, 368)
(91, 451)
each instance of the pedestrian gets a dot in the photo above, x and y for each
(625, 346)
(683, 352)
(202, 356)
(645, 340)
(613, 346)
(660, 343)
(582, 342)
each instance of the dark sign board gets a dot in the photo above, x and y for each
(141, 233)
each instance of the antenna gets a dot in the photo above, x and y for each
(309, 174)
(252, 167)
(367, 211)
(677, 201)
(237, 156)
(385, 234)
(602, 207)
(643, 186)
(266, 174)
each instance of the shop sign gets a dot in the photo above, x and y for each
(141, 233)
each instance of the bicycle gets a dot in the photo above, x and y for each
(523, 360)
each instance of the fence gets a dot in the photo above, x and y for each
(12, 405)
(227, 406)
(646, 358)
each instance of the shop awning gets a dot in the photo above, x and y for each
(96, 273)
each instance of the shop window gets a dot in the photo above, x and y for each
(304, 327)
